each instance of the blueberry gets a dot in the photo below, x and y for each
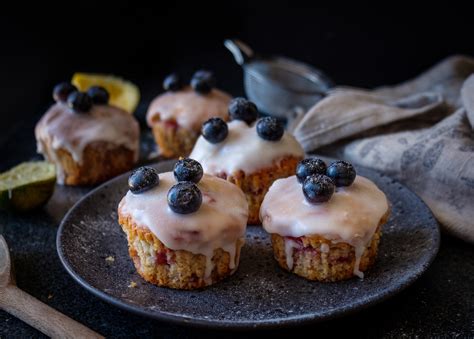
(99, 95)
(342, 173)
(269, 128)
(188, 170)
(203, 81)
(310, 166)
(242, 109)
(142, 179)
(184, 197)
(80, 102)
(318, 188)
(172, 83)
(61, 91)
(215, 130)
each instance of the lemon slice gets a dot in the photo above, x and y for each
(123, 94)
(27, 186)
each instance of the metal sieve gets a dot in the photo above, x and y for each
(278, 85)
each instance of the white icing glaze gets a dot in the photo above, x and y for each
(209, 267)
(324, 248)
(60, 127)
(219, 223)
(243, 150)
(290, 245)
(350, 216)
(188, 108)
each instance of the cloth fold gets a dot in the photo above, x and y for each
(420, 132)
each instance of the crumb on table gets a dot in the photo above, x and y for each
(110, 259)
(133, 284)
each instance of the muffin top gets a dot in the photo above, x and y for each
(187, 108)
(353, 212)
(63, 128)
(243, 149)
(218, 223)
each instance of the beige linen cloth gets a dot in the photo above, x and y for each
(420, 132)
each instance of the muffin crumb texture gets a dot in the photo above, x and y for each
(256, 185)
(178, 269)
(173, 140)
(100, 162)
(317, 258)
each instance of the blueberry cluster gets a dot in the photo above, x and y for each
(80, 102)
(185, 197)
(202, 82)
(216, 130)
(319, 181)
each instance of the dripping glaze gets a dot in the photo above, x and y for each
(351, 216)
(219, 223)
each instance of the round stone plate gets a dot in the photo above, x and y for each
(93, 249)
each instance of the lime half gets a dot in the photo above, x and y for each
(27, 186)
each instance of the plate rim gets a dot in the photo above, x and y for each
(239, 325)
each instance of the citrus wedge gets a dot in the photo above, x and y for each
(123, 94)
(27, 186)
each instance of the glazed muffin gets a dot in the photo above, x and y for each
(326, 226)
(247, 154)
(88, 140)
(176, 116)
(183, 235)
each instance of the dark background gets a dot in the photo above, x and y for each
(44, 44)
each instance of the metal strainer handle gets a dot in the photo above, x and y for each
(242, 52)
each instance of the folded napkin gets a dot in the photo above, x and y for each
(420, 132)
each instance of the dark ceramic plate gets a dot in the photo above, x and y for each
(259, 294)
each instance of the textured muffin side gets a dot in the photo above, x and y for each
(178, 269)
(173, 141)
(255, 185)
(317, 258)
(100, 162)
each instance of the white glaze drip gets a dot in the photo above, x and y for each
(188, 108)
(232, 250)
(236, 255)
(359, 250)
(209, 268)
(324, 248)
(61, 128)
(350, 216)
(219, 223)
(290, 245)
(243, 150)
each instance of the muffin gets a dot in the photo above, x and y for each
(176, 116)
(183, 235)
(325, 226)
(247, 154)
(88, 140)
